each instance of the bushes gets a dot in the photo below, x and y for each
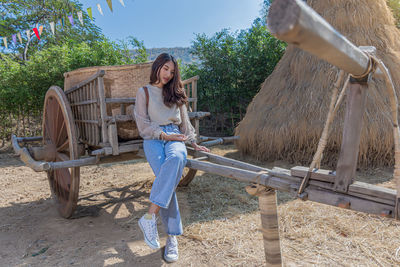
(232, 67)
(23, 84)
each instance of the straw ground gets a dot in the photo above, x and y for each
(221, 222)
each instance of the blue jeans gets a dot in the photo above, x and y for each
(167, 159)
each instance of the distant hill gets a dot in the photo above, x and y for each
(182, 53)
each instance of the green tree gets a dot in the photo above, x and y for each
(232, 67)
(17, 16)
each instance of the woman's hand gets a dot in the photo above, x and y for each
(173, 137)
(200, 148)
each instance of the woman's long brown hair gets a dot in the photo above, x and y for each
(173, 92)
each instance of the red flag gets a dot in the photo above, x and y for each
(36, 32)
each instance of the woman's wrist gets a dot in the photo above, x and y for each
(162, 136)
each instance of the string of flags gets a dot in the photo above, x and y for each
(38, 29)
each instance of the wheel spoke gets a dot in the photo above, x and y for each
(63, 146)
(48, 132)
(49, 123)
(61, 132)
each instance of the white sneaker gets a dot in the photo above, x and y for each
(149, 229)
(171, 249)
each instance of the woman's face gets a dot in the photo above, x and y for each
(166, 73)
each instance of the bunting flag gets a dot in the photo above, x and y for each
(52, 24)
(80, 17)
(71, 20)
(39, 29)
(99, 8)
(35, 30)
(89, 11)
(109, 2)
(5, 42)
(19, 37)
(14, 38)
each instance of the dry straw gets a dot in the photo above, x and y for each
(294, 99)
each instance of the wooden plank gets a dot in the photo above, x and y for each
(294, 22)
(320, 175)
(296, 181)
(92, 117)
(113, 138)
(103, 111)
(222, 140)
(194, 78)
(239, 174)
(89, 121)
(226, 161)
(96, 113)
(127, 100)
(354, 203)
(99, 73)
(86, 102)
(358, 189)
(373, 190)
(347, 163)
(198, 114)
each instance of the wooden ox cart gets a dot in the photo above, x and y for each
(92, 122)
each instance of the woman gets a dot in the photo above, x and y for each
(163, 123)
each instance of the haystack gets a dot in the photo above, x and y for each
(285, 119)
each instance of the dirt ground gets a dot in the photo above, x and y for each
(221, 222)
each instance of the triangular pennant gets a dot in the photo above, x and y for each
(40, 29)
(122, 3)
(19, 37)
(80, 17)
(89, 11)
(109, 2)
(5, 42)
(28, 34)
(71, 20)
(99, 8)
(35, 30)
(14, 38)
(52, 27)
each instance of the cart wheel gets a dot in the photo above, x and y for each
(59, 139)
(187, 176)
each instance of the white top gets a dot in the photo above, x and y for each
(149, 121)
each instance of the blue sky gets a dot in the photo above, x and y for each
(172, 23)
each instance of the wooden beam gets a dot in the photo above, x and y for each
(294, 22)
(320, 175)
(103, 109)
(358, 189)
(347, 163)
(99, 73)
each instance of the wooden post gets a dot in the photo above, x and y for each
(347, 163)
(103, 112)
(269, 223)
